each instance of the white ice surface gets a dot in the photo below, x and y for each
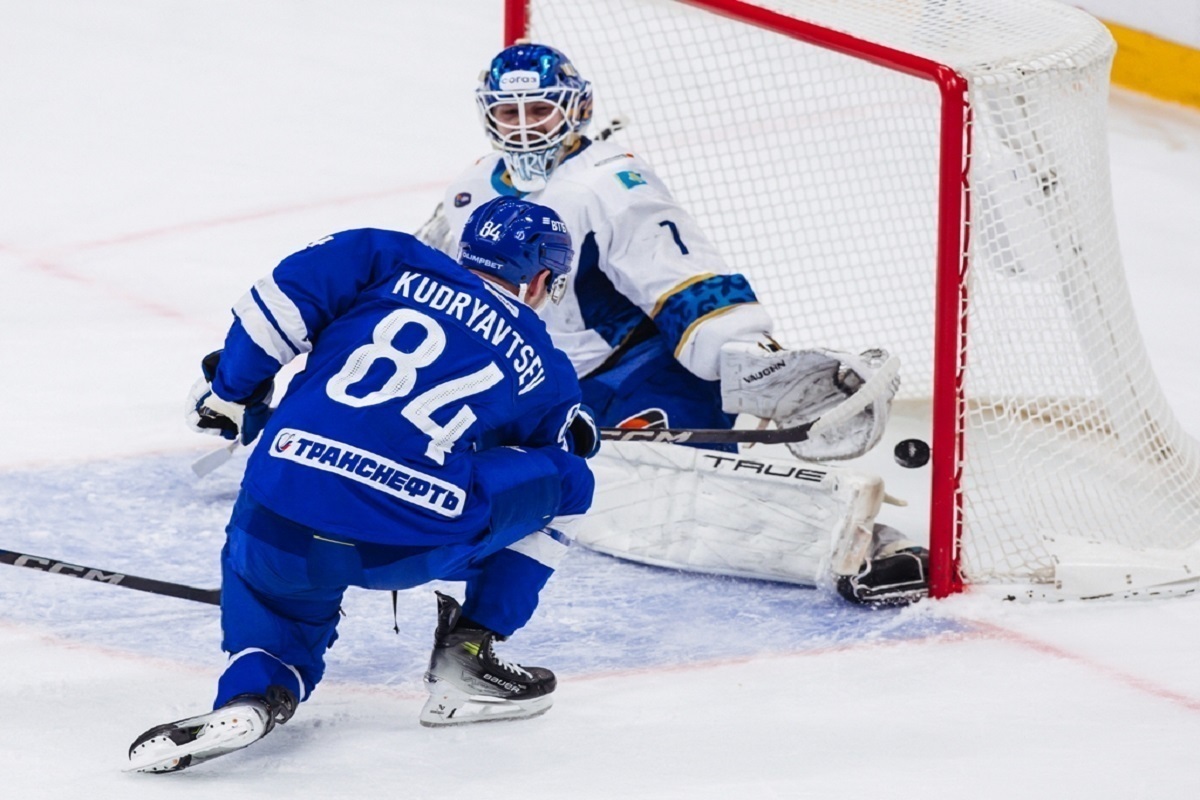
(156, 156)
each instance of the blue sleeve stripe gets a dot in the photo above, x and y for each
(256, 295)
(283, 314)
(682, 309)
(262, 329)
(677, 289)
(617, 328)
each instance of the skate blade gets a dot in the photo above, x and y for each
(226, 729)
(448, 707)
(894, 599)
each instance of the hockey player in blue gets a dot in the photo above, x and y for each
(434, 434)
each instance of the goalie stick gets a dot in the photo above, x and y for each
(210, 596)
(868, 393)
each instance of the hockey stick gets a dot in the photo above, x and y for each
(868, 393)
(211, 461)
(708, 435)
(210, 596)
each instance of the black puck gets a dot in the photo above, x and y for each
(912, 453)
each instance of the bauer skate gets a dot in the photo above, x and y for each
(187, 742)
(468, 683)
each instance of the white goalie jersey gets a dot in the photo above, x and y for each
(639, 256)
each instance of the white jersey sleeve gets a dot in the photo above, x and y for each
(660, 259)
(641, 259)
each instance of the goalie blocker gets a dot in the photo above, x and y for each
(772, 519)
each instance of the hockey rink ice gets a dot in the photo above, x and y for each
(158, 156)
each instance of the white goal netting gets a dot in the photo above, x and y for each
(817, 175)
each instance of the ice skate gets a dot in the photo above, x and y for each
(468, 683)
(892, 577)
(187, 742)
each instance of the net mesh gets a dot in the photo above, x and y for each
(816, 174)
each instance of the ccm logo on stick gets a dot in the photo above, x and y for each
(87, 573)
(646, 435)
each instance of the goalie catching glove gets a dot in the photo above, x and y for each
(209, 413)
(795, 387)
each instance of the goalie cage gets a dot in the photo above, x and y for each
(929, 177)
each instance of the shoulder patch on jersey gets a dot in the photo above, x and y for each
(630, 179)
(611, 159)
(461, 199)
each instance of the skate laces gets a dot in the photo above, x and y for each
(516, 669)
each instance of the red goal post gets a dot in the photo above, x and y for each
(1024, 276)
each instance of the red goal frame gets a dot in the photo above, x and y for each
(949, 360)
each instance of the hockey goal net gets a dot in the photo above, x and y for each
(932, 178)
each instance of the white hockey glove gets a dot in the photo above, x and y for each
(208, 413)
(794, 387)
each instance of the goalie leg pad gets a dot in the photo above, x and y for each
(724, 514)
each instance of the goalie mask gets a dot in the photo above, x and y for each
(533, 105)
(515, 240)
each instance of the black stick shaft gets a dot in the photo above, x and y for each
(706, 435)
(875, 386)
(210, 596)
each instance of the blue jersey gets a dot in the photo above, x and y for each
(420, 379)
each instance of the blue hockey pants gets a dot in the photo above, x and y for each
(282, 586)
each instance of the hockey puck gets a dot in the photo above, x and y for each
(912, 453)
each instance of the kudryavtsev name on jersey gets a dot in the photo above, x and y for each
(480, 318)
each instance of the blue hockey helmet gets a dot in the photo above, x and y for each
(515, 240)
(533, 103)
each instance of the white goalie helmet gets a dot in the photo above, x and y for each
(533, 105)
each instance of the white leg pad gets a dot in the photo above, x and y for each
(705, 511)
